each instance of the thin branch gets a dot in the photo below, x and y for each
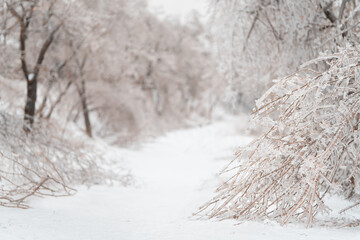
(341, 10)
(44, 49)
(251, 29)
(22, 39)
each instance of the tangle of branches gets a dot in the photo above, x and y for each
(310, 150)
(42, 163)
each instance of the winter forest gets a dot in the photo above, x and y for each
(193, 119)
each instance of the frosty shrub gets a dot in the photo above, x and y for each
(42, 163)
(311, 148)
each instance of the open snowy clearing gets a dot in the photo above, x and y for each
(175, 174)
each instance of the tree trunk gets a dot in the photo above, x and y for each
(85, 109)
(30, 103)
(24, 21)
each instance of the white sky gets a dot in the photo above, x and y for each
(177, 8)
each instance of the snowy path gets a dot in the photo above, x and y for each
(175, 174)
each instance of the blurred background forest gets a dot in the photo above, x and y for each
(111, 68)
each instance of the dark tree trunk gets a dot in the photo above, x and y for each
(85, 108)
(30, 102)
(82, 93)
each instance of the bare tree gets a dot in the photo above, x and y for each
(23, 11)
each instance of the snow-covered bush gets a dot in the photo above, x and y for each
(311, 148)
(44, 163)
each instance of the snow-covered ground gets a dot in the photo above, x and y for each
(174, 175)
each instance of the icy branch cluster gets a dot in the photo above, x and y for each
(311, 147)
(43, 163)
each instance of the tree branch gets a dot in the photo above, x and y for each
(251, 29)
(330, 15)
(44, 49)
(22, 39)
(341, 10)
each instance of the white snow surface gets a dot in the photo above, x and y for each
(175, 174)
